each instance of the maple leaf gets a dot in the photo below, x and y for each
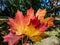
(18, 23)
(11, 38)
(32, 25)
(41, 13)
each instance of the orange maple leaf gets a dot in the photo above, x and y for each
(41, 13)
(31, 25)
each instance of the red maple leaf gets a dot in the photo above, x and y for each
(12, 38)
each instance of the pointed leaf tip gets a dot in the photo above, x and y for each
(30, 12)
(41, 13)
